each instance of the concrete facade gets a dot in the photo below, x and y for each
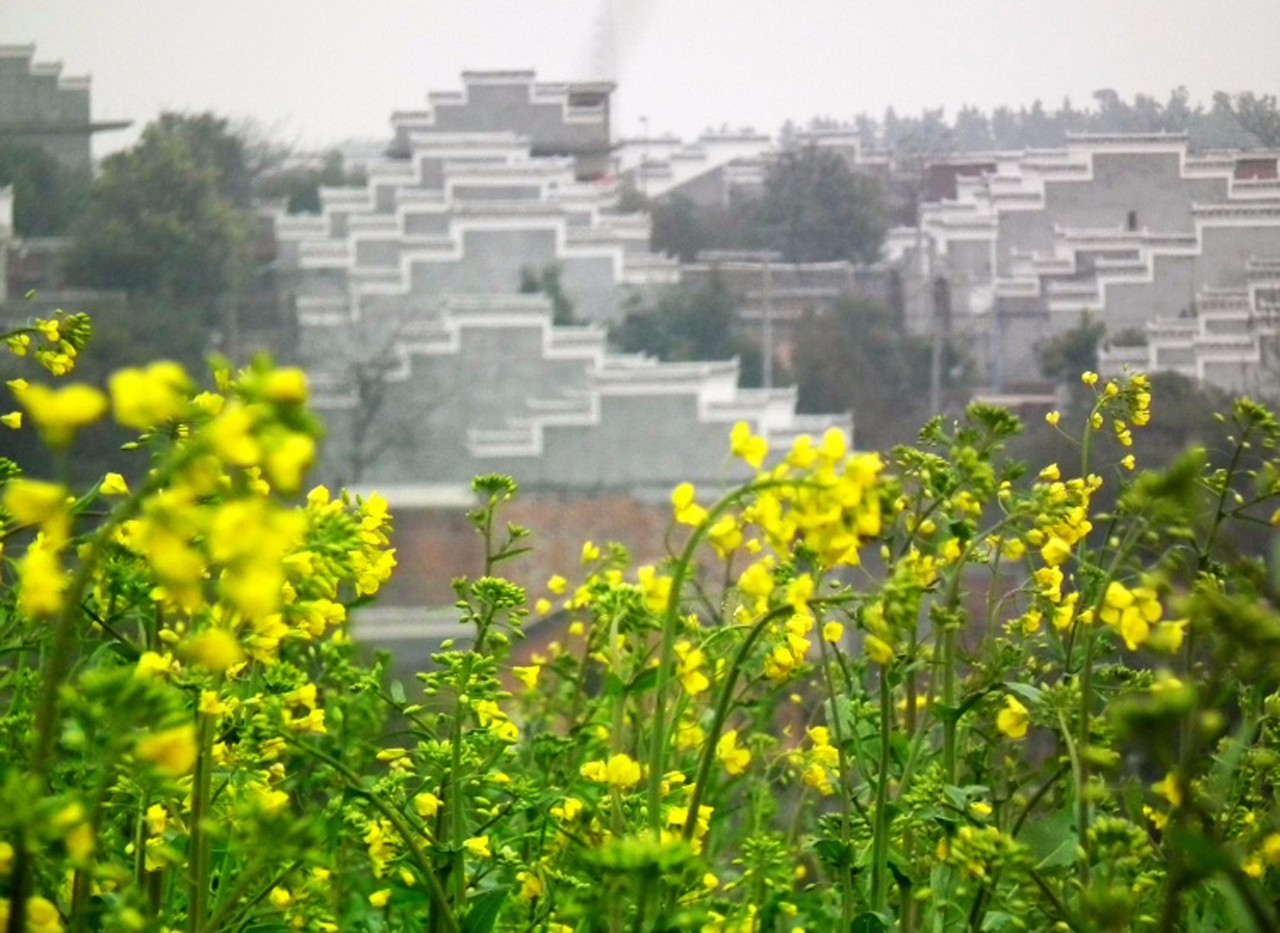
(41, 106)
(429, 369)
(1134, 229)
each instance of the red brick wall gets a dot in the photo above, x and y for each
(436, 545)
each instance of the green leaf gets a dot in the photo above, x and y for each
(397, 692)
(833, 852)
(644, 680)
(1026, 691)
(483, 912)
(869, 922)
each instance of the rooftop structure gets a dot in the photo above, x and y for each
(1130, 227)
(431, 369)
(42, 106)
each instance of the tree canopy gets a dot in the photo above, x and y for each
(816, 209)
(691, 322)
(858, 358)
(169, 216)
(45, 194)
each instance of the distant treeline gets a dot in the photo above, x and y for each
(1242, 121)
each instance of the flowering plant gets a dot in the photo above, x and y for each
(929, 690)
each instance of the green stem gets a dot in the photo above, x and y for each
(200, 800)
(666, 652)
(846, 829)
(880, 827)
(407, 833)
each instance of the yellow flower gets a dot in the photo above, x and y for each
(1051, 473)
(478, 846)
(568, 811)
(427, 805)
(1170, 789)
(172, 751)
(589, 552)
(1052, 418)
(725, 535)
(113, 484)
(215, 649)
(146, 398)
(12, 420)
(1055, 551)
(687, 510)
(750, 447)
(1271, 849)
(1013, 719)
(32, 501)
(42, 916)
(879, 650)
(531, 885)
(622, 771)
(780, 663)
(505, 731)
(280, 898)
(689, 663)
(833, 632)
(527, 675)
(286, 386)
(557, 584)
(59, 413)
(1128, 462)
(1089, 378)
(734, 759)
(288, 460)
(43, 581)
(380, 898)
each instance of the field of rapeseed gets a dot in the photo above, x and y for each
(926, 690)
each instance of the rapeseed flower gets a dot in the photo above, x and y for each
(171, 751)
(734, 758)
(59, 413)
(750, 447)
(687, 510)
(1013, 719)
(150, 397)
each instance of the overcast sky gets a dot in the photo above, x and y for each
(319, 71)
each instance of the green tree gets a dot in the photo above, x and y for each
(857, 358)
(688, 322)
(1065, 356)
(548, 281)
(816, 209)
(1258, 116)
(168, 217)
(45, 195)
(300, 186)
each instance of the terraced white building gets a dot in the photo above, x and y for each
(1162, 244)
(430, 368)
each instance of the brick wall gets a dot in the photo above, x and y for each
(436, 545)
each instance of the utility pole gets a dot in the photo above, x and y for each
(644, 157)
(767, 257)
(766, 307)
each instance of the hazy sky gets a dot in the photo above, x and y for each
(324, 70)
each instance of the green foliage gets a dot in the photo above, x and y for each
(547, 281)
(1066, 355)
(1028, 712)
(45, 195)
(816, 209)
(857, 358)
(169, 216)
(300, 186)
(687, 323)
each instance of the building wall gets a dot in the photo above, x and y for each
(40, 107)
